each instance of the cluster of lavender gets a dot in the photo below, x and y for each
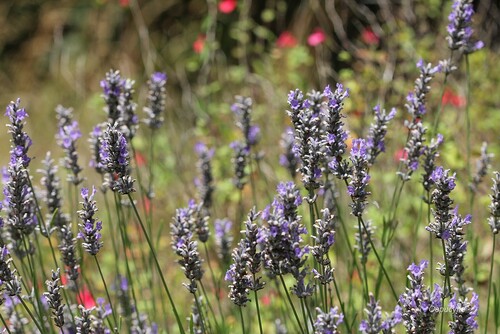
(460, 30)
(89, 228)
(416, 107)
(19, 202)
(419, 305)
(246, 264)
(23, 219)
(373, 322)
(182, 229)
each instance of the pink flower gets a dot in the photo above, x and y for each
(449, 97)
(227, 6)
(199, 44)
(124, 3)
(86, 299)
(317, 37)
(369, 37)
(286, 40)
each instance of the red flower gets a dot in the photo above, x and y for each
(147, 204)
(286, 40)
(450, 98)
(124, 3)
(400, 154)
(140, 159)
(199, 44)
(86, 299)
(369, 37)
(317, 37)
(227, 6)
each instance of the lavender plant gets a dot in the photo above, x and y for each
(270, 266)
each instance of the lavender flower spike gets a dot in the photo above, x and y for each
(89, 228)
(67, 137)
(238, 276)
(483, 164)
(205, 184)
(240, 160)
(328, 322)
(155, 106)
(440, 197)
(54, 298)
(115, 157)
(223, 239)
(20, 142)
(112, 87)
(289, 159)
(377, 132)
(360, 177)
(431, 153)
(494, 219)
(420, 306)
(459, 28)
(465, 313)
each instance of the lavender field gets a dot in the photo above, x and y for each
(237, 166)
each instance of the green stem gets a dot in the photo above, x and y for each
(158, 267)
(242, 321)
(113, 310)
(258, 308)
(216, 287)
(489, 285)
(31, 314)
(5, 324)
(291, 303)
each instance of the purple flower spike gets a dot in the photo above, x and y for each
(155, 106)
(20, 142)
(89, 227)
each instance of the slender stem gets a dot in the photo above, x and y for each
(363, 262)
(291, 304)
(489, 286)
(5, 324)
(209, 305)
(31, 315)
(304, 316)
(258, 309)
(395, 295)
(242, 321)
(346, 322)
(113, 311)
(200, 312)
(158, 267)
(467, 115)
(216, 286)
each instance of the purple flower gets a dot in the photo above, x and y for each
(89, 227)
(112, 87)
(440, 197)
(334, 133)
(155, 106)
(464, 313)
(20, 142)
(377, 132)
(68, 135)
(419, 306)
(240, 160)
(494, 219)
(328, 322)
(360, 178)
(459, 28)
(223, 239)
(205, 185)
(115, 159)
